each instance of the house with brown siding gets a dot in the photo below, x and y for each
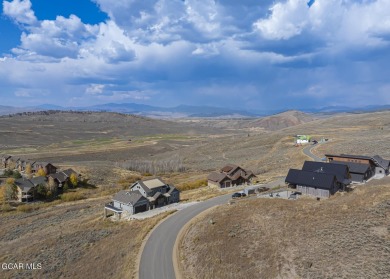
(361, 167)
(230, 175)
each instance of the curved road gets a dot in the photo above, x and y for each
(307, 152)
(157, 256)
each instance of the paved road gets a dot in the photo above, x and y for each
(307, 152)
(157, 256)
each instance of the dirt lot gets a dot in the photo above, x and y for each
(71, 241)
(347, 236)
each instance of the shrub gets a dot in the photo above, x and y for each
(27, 207)
(16, 175)
(72, 196)
(192, 185)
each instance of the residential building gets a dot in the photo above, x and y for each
(318, 184)
(230, 175)
(25, 190)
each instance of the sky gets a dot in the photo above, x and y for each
(248, 54)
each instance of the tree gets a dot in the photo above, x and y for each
(16, 174)
(28, 171)
(41, 172)
(41, 191)
(51, 188)
(10, 190)
(73, 179)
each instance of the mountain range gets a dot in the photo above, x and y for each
(183, 111)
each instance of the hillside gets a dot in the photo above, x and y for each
(281, 120)
(346, 236)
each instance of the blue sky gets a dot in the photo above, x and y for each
(247, 54)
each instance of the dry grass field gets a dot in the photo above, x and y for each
(346, 236)
(71, 236)
(72, 241)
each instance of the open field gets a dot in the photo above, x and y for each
(72, 241)
(346, 236)
(92, 144)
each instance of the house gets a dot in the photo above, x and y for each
(318, 184)
(130, 201)
(63, 177)
(360, 173)
(157, 192)
(39, 180)
(362, 168)
(340, 171)
(4, 160)
(47, 167)
(302, 139)
(21, 164)
(230, 175)
(25, 190)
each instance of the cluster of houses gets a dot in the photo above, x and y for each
(141, 196)
(26, 186)
(323, 179)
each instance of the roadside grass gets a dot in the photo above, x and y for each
(274, 238)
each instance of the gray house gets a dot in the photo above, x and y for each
(25, 190)
(130, 201)
(142, 196)
(313, 183)
(157, 192)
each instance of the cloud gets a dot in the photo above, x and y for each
(20, 11)
(94, 89)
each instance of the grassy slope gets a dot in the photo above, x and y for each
(347, 236)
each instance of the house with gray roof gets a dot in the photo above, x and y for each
(130, 201)
(230, 175)
(158, 192)
(142, 196)
(362, 168)
(25, 190)
(318, 184)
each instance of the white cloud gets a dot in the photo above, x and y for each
(20, 11)
(95, 89)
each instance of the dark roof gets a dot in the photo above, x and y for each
(353, 167)
(377, 160)
(24, 184)
(39, 180)
(172, 189)
(311, 179)
(61, 177)
(216, 176)
(340, 170)
(69, 172)
(128, 197)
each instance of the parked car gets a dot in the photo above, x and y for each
(243, 194)
(236, 195)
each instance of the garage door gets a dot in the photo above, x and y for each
(140, 208)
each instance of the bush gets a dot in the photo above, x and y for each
(72, 196)
(6, 207)
(16, 175)
(27, 207)
(192, 185)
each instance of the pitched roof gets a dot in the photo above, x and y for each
(38, 180)
(24, 184)
(229, 167)
(311, 179)
(216, 176)
(154, 183)
(377, 160)
(172, 189)
(340, 170)
(61, 177)
(353, 167)
(69, 172)
(128, 197)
